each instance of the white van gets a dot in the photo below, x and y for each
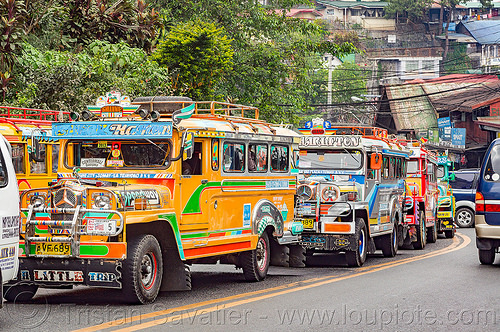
(9, 217)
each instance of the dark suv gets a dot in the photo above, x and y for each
(464, 189)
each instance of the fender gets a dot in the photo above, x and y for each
(469, 204)
(171, 218)
(264, 214)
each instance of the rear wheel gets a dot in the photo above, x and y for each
(389, 243)
(142, 270)
(432, 233)
(449, 234)
(464, 217)
(486, 257)
(421, 230)
(255, 263)
(358, 257)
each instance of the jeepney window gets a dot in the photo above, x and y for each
(279, 158)
(4, 179)
(234, 157)
(129, 153)
(215, 154)
(412, 166)
(398, 168)
(392, 168)
(431, 172)
(385, 168)
(40, 167)
(18, 157)
(440, 172)
(403, 168)
(330, 159)
(55, 157)
(257, 158)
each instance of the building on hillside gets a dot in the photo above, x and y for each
(447, 111)
(368, 15)
(486, 34)
(303, 12)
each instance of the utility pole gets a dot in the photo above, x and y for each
(330, 83)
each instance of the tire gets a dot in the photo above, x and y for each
(432, 234)
(358, 257)
(389, 243)
(421, 232)
(449, 234)
(142, 270)
(464, 217)
(255, 263)
(486, 257)
(19, 292)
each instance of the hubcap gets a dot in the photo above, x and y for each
(148, 270)
(261, 253)
(361, 242)
(464, 217)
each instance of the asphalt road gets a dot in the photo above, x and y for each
(440, 288)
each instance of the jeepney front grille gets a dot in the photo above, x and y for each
(65, 198)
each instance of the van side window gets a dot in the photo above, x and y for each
(40, 167)
(4, 179)
(234, 157)
(279, 158)
(257, 158)
(18, 158)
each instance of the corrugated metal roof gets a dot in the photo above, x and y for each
(413, 113)
(477, 4)
(485, 32)
(462, 96)
(351, 4)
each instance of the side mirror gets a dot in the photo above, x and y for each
(187, 145)
(376, 161)
(451, 177)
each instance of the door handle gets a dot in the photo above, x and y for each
(204, 181)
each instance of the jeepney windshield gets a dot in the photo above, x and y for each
(330, 159)
(124, 153)
(412, 166)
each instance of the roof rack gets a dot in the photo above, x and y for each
(31, 115)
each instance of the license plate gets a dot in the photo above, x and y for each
(308, 223)
(53, 249)
(101, 226)
(446, 214)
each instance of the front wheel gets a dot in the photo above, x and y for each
(486, 257)
(142, 270)
(20, 292)
(358, 257)
(255, 263)
(421, 236)
(389, 243)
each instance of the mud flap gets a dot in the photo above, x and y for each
(279, 254)
(297, 256)
(176, 274)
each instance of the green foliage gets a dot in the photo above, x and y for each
(486, 4)
(348, 80)
(11, 32)
(67, 81)
(198, 54)
(457, 60)
(414, 10)
(110, 20)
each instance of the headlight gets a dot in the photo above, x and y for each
(330, 194)
(101, 201)
(37, 201)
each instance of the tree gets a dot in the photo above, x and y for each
(274, 55)
(412, 10)
(450, 5)
(198, 54)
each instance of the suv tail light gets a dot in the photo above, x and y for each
(479, 202)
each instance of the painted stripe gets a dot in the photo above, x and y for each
(190, 253)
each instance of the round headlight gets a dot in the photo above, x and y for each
(330, 194)
(102, 202)
(37, 201)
